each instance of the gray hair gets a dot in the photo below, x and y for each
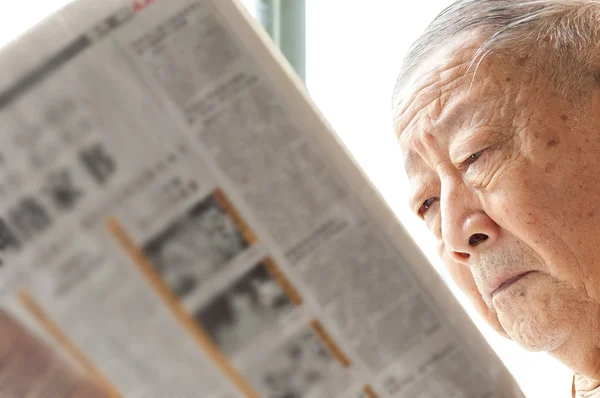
(565, 32)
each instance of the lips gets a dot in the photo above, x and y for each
(505, 283)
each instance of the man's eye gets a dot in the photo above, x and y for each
(426, 205)
(473, 158)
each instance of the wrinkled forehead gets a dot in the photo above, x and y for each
(427, 94)
(449, 91)
(438, 75)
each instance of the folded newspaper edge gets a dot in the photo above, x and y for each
(178, 219)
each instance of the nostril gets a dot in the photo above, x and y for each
(476, 239)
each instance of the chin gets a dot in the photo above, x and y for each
(536, 318)
(534, 334)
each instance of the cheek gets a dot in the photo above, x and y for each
(547, 179)
(549, 218)
(461, 275)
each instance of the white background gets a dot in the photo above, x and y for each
(354, 50)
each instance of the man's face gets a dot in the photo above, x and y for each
(507, 176)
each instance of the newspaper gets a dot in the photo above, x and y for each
(177, 219)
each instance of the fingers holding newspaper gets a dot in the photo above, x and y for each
(33, 368)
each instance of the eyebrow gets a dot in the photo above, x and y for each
(416, 194)
(453, 116)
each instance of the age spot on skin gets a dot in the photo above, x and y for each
(591, 214)
(564, 117)
(553, 143)
(549, 167)
(521, 61)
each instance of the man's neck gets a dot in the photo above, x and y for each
(586, 387)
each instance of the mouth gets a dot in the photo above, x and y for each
(509, 282)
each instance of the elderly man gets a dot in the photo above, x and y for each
(497, 112)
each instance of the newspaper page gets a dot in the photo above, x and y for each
(178, 220)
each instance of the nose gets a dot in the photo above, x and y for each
(467, 230)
